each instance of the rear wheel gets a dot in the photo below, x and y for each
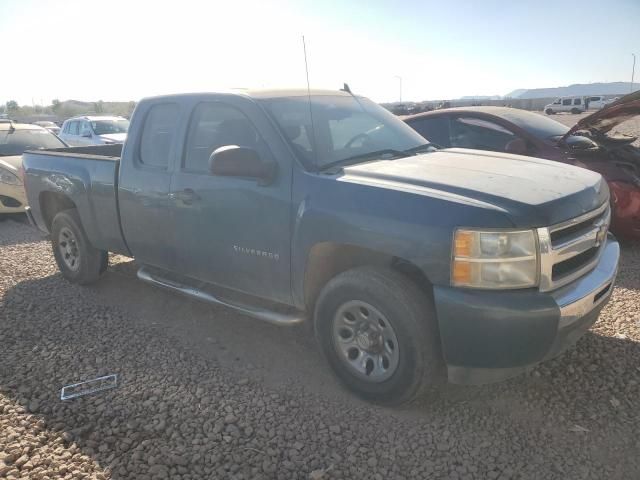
(78, 261)
(378, 332)
(575, 111)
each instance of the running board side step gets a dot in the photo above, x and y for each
(271, 316)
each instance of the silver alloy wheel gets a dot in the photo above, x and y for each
(365, 341)
(68, 247)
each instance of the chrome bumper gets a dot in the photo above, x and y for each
(579, 298)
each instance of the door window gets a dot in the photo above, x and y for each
(470, 132)
(214, 125)
(84, 128)
(577, 101)
(566, 101)
(73, 128)
(435, 129)
(159, 134)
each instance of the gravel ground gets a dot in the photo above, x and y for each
(207, 393)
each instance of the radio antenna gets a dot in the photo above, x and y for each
(313, 130)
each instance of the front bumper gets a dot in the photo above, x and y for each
(12, 198)
(490, 336)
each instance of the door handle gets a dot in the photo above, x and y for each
(186, 196)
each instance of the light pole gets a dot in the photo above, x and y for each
(400, 78)
(633, 70)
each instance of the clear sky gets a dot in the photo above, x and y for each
(128, 49)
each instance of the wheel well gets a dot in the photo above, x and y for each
(326, 260)
(52, 203)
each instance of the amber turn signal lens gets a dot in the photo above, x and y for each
(461, 272)
(463, 243)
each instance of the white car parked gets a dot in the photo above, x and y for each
(94, 130)
(565, 104)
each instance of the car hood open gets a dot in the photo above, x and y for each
(609, 116)
(530, 191)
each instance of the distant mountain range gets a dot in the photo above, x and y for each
(578, 89)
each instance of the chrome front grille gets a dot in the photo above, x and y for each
(570, 249)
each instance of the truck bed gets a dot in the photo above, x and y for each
(90, 152)
(82, 177)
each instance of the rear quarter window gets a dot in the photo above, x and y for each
(159, 135)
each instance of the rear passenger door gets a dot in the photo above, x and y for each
(234, 232)
(145, 178)
(71, 133)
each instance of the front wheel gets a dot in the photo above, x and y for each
(548, 111)
(378, 332)
(78, 261)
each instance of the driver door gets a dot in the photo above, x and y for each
(86, 134)
(232, 231)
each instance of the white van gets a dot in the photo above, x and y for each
(565, 104)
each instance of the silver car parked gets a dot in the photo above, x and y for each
(94, 130)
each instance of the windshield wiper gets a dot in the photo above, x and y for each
(391, 153)
(426, 147)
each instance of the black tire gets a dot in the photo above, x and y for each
(407, 309)
(549, 111)
(575, 111)
(66, 229)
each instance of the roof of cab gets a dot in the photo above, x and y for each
(293, 92)
(257, 93)
(93, 118)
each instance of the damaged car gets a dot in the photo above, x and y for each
(590, 144)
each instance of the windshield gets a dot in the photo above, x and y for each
(344, 127)
(105, 127)
(536, 124)
(17, 141)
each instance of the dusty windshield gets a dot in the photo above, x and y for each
(325, 129)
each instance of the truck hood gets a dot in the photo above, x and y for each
(609, 116)
(114, 137)
(530, 191)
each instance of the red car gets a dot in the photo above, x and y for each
(587, 144)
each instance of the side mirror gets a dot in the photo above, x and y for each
(517, 146)
(235, 161)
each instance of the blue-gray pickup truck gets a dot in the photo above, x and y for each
(413, 264)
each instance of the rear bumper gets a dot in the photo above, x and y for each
(490, 336)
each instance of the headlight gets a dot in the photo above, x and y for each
(499, 259)
(7, 177)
